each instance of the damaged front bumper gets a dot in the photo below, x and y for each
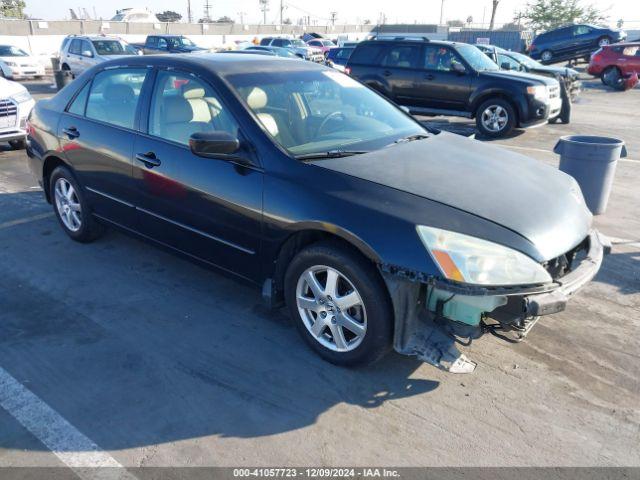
(434, 315)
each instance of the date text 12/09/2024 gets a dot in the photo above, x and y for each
(315, 472)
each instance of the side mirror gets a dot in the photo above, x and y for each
(405, 109)
(458, 68)
(213, 144)
(87, 53)
(505, 66)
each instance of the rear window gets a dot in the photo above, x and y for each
(366, 54)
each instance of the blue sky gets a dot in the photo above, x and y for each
(404, 11)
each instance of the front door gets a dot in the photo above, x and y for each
(206, 207)
(440, 86)
(97, 134)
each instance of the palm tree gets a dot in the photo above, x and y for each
(493, 13)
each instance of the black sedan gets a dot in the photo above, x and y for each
(375, 232)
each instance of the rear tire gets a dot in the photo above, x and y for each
(349, 324)
(71, 207)
(546, 56)
(495, 118)
(603, 41)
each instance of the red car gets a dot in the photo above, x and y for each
(614, 63)
(322, 43)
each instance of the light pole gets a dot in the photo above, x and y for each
(441, 11)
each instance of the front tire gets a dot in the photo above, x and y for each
(495, 118)
(612, 77)
(604, 41)
(339, 304)
(546, 56)
(71, 207)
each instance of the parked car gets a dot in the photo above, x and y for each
(447, 78)
(158, 44)
(614, 63)
(15, 105)
(572, 42)
(135, 15)
(323, 44)
(297, 46)
(338, 57)
(80, 52)
(568, 78)
(277, 51)
(15, 64)
(374, 231)
(250, 52)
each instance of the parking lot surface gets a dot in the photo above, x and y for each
(156, 361)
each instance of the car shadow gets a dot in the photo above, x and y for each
(621, 270)
(135, 347)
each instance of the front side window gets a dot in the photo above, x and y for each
(581, 30)
(75, 47)
(162, 43)
(110, 47)
(86, 50)
(402, 56)
(442, 58)
(114, 96)
(183, 105)
(315, 111)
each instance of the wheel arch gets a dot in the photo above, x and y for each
(49, 165)
(308, 233)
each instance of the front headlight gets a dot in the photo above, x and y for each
(539, 92)
(467, 259)
(22, 97)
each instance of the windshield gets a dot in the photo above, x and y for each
(316, 111)
(298, 43)
(478, 60)
(527, 61)
(110, 47)
(328, 43)
(9, 51)
(117, 18)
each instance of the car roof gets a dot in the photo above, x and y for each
(218, 64)
(410, 40)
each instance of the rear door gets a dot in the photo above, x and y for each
(399, 67)
(97, 133)
(438, 85)
(74, 56)
(206, 207)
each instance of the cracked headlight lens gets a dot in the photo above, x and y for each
(467, 259)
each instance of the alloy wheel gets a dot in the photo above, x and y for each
(603, 42)
(331, 308)
(546, 56)
(68, 204)
(494, 118)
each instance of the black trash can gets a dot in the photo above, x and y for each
(63, 78)
(592, 162)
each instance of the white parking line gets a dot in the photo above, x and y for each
(542, 150)
(20, 221)
(624, 241)
(72, 447)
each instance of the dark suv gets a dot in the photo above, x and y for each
(446, 78)
(572, 42)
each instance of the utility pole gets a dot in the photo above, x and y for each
(281, 10)
(189, 16)
(264, 6)
(441, 12)
(333, 18)
(207, 11)
(241, 15)
(493, 13)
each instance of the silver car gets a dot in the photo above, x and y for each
(297, 46)
(78, 53)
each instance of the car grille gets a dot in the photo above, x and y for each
(554, 92)
(558, 267)
(8, 108)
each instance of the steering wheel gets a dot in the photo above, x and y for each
(327, 119)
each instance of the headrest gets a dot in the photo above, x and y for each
(119, 92)
(177, 110)
(192, 91)
(257, 99)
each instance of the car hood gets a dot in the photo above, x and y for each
(9, 88)
(21, 60)
(563, 71)
(535, 200)
(526, 78)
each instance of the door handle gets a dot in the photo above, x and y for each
(149, 159)
(71, 132)
(429, 76)
(386, 73)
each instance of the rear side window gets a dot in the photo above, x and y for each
(114, 96)
(366, 54)
(277, 42)
(265, 41)
(402, 56)
(152, 41)
(78, 104)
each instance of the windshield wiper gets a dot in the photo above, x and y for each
(330, 154)
(411, 138)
